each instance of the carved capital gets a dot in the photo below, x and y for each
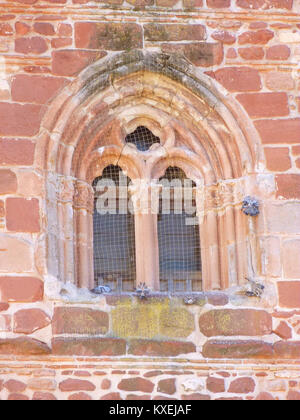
(84, 197)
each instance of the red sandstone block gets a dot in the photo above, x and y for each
(22, 28)
(288, 186)
(160, 348)
(262, 105)
(17, 397)
(259, 37)
(16, 152)
(72, 320)
(296, 150)
(265, 396)
(89, 346)
(108, 36)
(237, 349)
(195, 397)
(235, 322)
(258, 25)
(113, 396)
(293, 396)
(291, 257)
(43, 396)
(202, 54)
(35, 89)
(278, 52)
(136, 385)
(21, 289)
(80, 396)
(44, 28)
(283, 331)
(15, 386)
(239, 79)
(225, 37)
(19, 120)
(65, 30)
(8, 182)
(215, 385)
(218, 4)
(289, 294)
(35, 45)
(27, 321)
(287, 349)
(167, 386)
(252, 53)
(279, 131)
(265, 4)
(165, 32)
(192, 3)
(70, 385)
(6, 29)
(22, 215)
(61, 42)
(23, 346)
(71, 62)
(278, 159)
(242, 386)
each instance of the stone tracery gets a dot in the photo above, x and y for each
(201, 131)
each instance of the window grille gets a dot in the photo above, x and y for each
(142, 138)
(114, 232)
(178, 234)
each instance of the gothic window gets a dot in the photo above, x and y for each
(142, 138)
(178, 234)
(114, 232)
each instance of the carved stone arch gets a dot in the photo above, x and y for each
(199, 125)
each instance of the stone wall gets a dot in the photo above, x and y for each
(226, 344)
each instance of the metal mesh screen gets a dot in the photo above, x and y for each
(142, 138)
(179, 240)
(114, 232)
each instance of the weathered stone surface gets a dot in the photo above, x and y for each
(27, 321)
(242, 386)
(177, 323)
(237, 349)
(195, 397)
(215, 385)
(23, 346)
(15, 386)
(70, 385)
(30, 211)
(89, 346)
(160, 348)
(20, 120)
(136, 384)
(235, 322)
(80, 396)
(108, 36)
(284, 331)
(42, 384)
(239, 79)
(287, 349)
(43, 396)
(21, 289)
(35, 89)
(289, 294)
(16, 152)
(8, 182)
(279, 130)
(71, 62)
(288, 186)
(165, 32)
(156, 318)
(167, 386)
(70, 320)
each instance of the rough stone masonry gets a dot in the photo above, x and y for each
(56, 341)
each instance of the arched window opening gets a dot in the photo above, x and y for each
(114, 232)
(178, 234)
(142, 138)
